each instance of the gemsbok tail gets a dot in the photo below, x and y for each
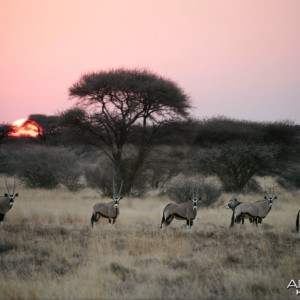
(93, 219)
(162, 220)
(297, 222)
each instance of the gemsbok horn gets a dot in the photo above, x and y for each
(108, 210)
(181, 211)
(7, 202)
(257, 210)
(297, 222)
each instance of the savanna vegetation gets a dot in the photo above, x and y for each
(48, 250)
(134, 127)
(230, 153)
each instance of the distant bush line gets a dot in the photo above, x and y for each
(234, 151)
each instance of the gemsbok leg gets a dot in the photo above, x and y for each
(297, 222)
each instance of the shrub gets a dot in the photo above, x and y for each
(236, 163)
(46, 167)
(290, 179)
(222, 130)
(100, 179)
(181, 188)
(253, 187)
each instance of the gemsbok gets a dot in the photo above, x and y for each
(232, 204)
(7, 202)
(297, 222)
(257, 210)
(181, 211)
(108, 210)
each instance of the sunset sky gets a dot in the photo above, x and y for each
(237, 58)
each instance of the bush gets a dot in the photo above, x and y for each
(290, 179)
(181, 188)
(46, 167)
(100, 179)
(253, 187)
(236, 163)
(223, 130)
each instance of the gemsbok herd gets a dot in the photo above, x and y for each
(254, 211)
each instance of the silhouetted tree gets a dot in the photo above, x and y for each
(49, 124)
(222, 130)
(110, 103)
(236, 163)
(4, 130)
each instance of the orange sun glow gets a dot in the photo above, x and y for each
(25, 128)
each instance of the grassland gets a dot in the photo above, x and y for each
(48, 251)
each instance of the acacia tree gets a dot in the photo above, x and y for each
(235, 164)
(109, 103)
(5, 129)
(49, 125)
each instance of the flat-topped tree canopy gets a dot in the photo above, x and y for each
(131, 95)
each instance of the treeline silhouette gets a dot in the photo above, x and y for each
(203, 132)
(232, 150)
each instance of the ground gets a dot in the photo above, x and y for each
(48, 250)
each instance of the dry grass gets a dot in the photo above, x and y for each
(48, 251)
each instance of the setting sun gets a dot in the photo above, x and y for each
(25, 128)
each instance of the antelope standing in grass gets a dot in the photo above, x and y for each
(232, 204)
(257, 210)
(297, 222)
(108, 210)
(181, 211)
(7, 202)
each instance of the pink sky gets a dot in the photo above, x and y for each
(238, 58)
